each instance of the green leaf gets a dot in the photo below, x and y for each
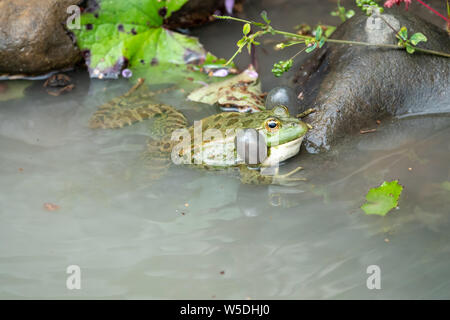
(128, 34)
(403, 33)
(264, 16)
(241, 42)
(382, 199)
(246, 29)
(418, 37)
(410, 49)
(319, 33)
(311, 48)
(189, 78)
(349, 14)
(321, 42)
(329, 31)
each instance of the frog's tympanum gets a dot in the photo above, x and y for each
(215, 141)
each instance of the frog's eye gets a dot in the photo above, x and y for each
(281, 111)
(272, 125)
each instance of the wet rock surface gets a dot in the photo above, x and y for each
(33, 38)
(353, 86)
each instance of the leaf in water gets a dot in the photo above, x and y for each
(242, 92)
(188, 77)
(382, 199)
(128, 34)
(13, 89)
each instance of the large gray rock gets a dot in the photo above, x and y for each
(353, 86)
(33, 38)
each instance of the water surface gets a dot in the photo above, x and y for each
(196, 234)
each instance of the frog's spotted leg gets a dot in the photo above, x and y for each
(249, 176)
(133, 106)
(157, 156)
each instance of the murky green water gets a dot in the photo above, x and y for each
(200, 235)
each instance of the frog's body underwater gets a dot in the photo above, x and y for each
(282, 133)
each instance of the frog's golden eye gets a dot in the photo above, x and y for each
(272, 125)
(281, 111)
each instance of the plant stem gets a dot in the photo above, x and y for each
(357, 43)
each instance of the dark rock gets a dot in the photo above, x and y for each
(33, 38)
(353, 86)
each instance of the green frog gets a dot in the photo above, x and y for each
(210, 143)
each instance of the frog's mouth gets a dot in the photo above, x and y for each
(279, 153)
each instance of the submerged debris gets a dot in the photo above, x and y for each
(58, 83)
(51, 206)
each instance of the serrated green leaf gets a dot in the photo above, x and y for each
(382, 199)
(128, 34)
(418, 37)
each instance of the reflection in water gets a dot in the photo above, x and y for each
(196, 234)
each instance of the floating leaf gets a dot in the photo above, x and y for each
(241, 92)
(13, 89)
(382, 199)
(418, 37)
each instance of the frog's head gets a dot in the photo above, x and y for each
(283, 135)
